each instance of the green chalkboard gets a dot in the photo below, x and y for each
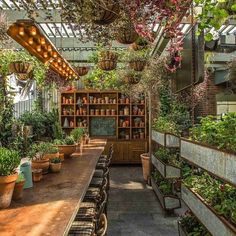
(102, 126)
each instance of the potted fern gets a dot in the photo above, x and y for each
(55, 165)
(9, 161)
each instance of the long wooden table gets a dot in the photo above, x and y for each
(50, 206)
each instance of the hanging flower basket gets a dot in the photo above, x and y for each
(126, 34)
(20, 67)
(106, 12)
(107, 61)
(132, 79)
(139, 44)
(82, 70)
(137, 65)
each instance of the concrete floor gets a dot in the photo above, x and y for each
(133, 208)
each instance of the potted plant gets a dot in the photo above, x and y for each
(52, 152)
(137, 59)
(77, 134)
(38, 155)
(55, 165)
(66, 146)
(18, 189)
(132, 77)
(126, 33)
(9, 161)
(37, 175)
(139, 44)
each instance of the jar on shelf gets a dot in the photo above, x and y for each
(80, 124)
(64, 112)
(97, 112)
(63, 100)
(102, 112)
(122, 100)
(135, 110)
(67, 101)
(121, 122)
(77, 112)
(113, 112)
(121, 112)
(114, 101)
(71, 112)
(84, 112)
(126, 111)
(127, 123)
(142, 124)
(142, 112)
(99, 100)
(124, 124)
(106, 99)
(81, 110)
(110, 101)
(127, 136)
(92, 112)
(84, 100)
(141, 134)
(71, 100)
(90, 99)
(102, 101)
(108, 113)
(71, 124)
(94, 100)
(127, 100)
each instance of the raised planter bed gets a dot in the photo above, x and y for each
(181, 230)
(167, 171)
(168, 202)
(217, 225)
(166, 139)
(213, 160)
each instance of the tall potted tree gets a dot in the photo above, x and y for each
(9, 161)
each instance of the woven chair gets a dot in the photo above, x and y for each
(82, 228)
(87, 212)
(102, 226)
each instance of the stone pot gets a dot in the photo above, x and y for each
(18, 190)
(41, 164)
(7, 184)
(55, 167)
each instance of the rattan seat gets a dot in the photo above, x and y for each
(92, 194)
(96, 182)
(98, 173)
(87, 211)
(82, 228)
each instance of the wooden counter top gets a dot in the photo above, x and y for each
(50, 206)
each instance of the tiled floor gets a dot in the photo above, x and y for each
(133, 207)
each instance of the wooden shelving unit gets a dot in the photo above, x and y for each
(127, 119)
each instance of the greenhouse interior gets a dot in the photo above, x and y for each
(117, 118)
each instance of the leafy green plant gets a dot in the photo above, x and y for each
(20, 178)
(214, 14)
(55, 160)
(38, 150)
(220, 133)
(192, 226)
(221, 196)
(163, 124)
(68, 140)
(141, 41)
(130, 55)
(9, 161)
(77, 134)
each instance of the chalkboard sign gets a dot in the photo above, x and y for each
(102, 126)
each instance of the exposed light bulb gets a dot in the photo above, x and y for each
(21, 31)
(45, 54)
(33, 30)
(31, 40)
(42, 40)
(49, 48)
(54, 54)
(38, 48)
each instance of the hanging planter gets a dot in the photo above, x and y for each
(106, 12)
(137, 65)
(107, 61)
(139, 44)
(20, 67)
(82, 70)
(126, 34)
(132, 78)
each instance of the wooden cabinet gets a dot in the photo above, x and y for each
(127, 152)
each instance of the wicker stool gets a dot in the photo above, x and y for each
(82, 228)
(93, 194)
(99, 173)
(102, 225)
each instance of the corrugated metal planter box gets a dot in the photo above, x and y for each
(213, 160)
(168, 202)
(166, 139)
(217, 225)
(181, 230)
(166, 170)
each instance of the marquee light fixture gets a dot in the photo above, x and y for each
(28, 34)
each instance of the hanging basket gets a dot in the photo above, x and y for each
(137, 65)
(108, 55)
(82, 70)
(136, 47)
(126, 35)
(132, 79)
(19, 67)
(106, 12)
(107, 64)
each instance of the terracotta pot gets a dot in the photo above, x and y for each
(7, 184)
(137, 65)
(37, 175)
(18, 190)
(41, 164)
(61, 156)
(55, 167)
(67, 149)
(51, 156)
(146, 165)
